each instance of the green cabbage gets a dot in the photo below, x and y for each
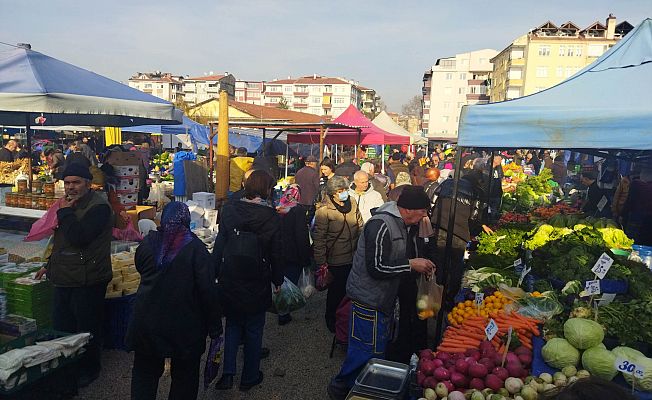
(644, 383)
(583, 333)
(600, 362)
(558, 353)
(627, 352)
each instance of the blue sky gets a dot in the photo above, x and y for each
(386, 45)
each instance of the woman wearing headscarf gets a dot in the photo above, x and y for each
(176, 307)
(296, 240)
(245, 280)
(338, 224)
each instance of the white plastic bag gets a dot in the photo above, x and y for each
(307, 283)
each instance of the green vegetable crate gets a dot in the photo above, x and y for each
(31, 298)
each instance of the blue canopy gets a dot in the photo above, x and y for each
(198, 132)
(604, 106)
(32, 84)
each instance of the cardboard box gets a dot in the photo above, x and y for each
(128, 185)
(204, 199)
(121, 158)
(123, 171)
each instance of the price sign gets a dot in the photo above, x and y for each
(491, 329)
(526, 270)
(518, 262)
(603, 202)
(606, 299)
(592, 287)
(628, 367)
(602, 266)
(479, 297)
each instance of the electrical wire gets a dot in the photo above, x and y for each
(11, 45)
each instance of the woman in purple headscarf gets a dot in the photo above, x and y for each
(176, 307)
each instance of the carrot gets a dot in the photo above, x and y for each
(451, 349)
(527, 345)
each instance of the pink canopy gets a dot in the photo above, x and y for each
(361, 129)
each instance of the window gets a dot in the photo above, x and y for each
(449, 76)
(448, 90)
(274, 99)
(596, 50)
(513, 93)
(447, 104)
(316, 99)
(571, 51)
(315, 110)
(448, 64)
(544, 50)
(444, 118)
(473, 89)
(515, 73)
(560, 72)
(542, 72)
(288, 89)
(463, 76)
(273, 88)
(148, 86)
(578, 51)
(461, 90)
(569, 71)
(562, 50)
(338, 100)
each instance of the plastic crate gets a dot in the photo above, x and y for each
(117, 314)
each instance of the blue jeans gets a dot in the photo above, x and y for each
(368, 337)
(251, 326)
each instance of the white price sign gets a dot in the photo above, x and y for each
(518, 262)
(602, 203)
(602, 266)
(606, 298)
(479, 297)
(526, 270)
(491, 329)
(628, 367)
(592, 287)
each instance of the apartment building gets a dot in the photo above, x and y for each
(163, 85)
(318, 95)
(369, 101)
(549, 54)
(201, 88)
(249, 92)
(450, 84)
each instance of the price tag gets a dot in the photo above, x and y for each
(491, 329)
(602, 266)
(628, 367)
(592, 287)
(606, 299)
(602, 203)
(479, 297)
(526, 270)
(518, 262)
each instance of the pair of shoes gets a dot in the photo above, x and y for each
(284, 319)
(246, 386)
(225, 382)
(264, 352)
(87, 378)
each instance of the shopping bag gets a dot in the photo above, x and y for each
(45, 225)
(288, 299)
(307, 283)
(323, 278)
(429, 297)
(129, 233)
(213, 361)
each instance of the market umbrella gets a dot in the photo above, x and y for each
(33, 84)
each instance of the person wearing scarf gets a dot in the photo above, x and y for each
(296, 237)
(176, 307)
(338, 224)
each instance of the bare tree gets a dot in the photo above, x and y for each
(283, 104)
(413, 107)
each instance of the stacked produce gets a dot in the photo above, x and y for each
(532, 192)
(162, 164)
(125, 277)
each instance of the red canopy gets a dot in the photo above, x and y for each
(362, 130)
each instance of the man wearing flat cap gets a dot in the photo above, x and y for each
(80, 264)
(387, 250)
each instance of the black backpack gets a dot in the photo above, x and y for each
(243, 257)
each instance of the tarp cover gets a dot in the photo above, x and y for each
(604, 106)
(32, 83)
(386, 123)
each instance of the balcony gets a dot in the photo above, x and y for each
(476, 82)
(327, 106)
(300, 94)
(514, 82)
(518, 62)
(477, 97)
(300, 105)
(274, 94)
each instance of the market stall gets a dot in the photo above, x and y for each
(551, 296)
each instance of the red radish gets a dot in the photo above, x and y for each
(438, 363)
(430, 382)
(441, 374)
(461, 366)
(471, 352)
(498, 359)
(442, 355)
(478, 371)
(449, 363)
(516, 370)
(421, 377)
(511, 357)
(493, 382)
(449, 386)
(427, 367)
(522, 350)
(457, 356)
(487, 362)
(459, 380)
(426, 354)
(501, 372)
(526, 359)
(485, 346)
(451, 370)
(477, 384)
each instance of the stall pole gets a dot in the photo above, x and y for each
(211, 155)
(337, 152)
(29, 151)
(449, 243)
(222, 164)
(287, 153)
(321, 143)
(264, 134)
(491, 180)
(382, 159)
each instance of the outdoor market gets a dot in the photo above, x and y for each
(511, 263)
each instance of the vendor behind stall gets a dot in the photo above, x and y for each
(80, 264)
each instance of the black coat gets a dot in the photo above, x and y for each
(250, 296)
(296, 239)
(175, 307)
(347, 169)
(6, 155)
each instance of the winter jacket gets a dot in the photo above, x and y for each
(241, 293)
(175, 307)
(308, 180)
(295, 237)
(6, 155)
(367, 200)
(336, 234)
(395, 168)
(237, 168)
(381, 259)
(347, 170)
(81, 253)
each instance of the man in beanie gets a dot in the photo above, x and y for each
(80, 264)
(387, 250)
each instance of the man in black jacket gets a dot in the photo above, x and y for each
(80, 264)
(7, 152)
(347, 167)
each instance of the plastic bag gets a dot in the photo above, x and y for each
(129, 233)
(429, 296)
(45, 225)
(307, 283)
(288, 299)
(323, 278)
(543, 307)
(213, 361)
